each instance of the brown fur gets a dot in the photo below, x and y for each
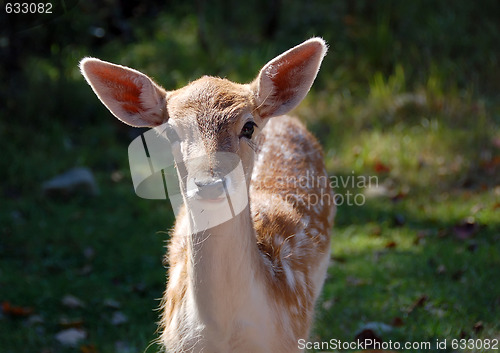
(248, 284)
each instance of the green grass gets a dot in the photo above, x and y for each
(398, 98)
(107, 247)
(372, 282)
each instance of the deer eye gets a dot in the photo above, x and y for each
(248, 129)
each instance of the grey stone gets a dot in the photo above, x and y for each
(76, 181)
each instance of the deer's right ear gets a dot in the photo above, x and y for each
(130, 95)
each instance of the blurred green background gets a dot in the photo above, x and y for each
(408, 93)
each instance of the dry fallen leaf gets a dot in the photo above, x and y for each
(16, 311)
(418, 303)
(478, 326)
(380, 167)
(397, 322)
(367, 335)
(74, 323)
(491, 164)
(391, 244)
(398, 196)
(88, 348)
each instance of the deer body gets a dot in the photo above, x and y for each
(247, 283)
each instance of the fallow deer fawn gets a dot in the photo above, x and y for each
(248, 283)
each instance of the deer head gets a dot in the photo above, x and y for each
(214, 121)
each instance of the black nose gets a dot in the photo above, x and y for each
(210, 188)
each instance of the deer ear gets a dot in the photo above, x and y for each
(284, 81)
(130, 95)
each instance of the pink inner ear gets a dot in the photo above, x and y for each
(291, 78)
(132, 109)
(290, 69)
(124, 90)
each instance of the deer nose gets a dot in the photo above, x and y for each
(210, 188)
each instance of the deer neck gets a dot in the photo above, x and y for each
(222, 270)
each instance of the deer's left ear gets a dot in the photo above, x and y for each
(284, 81)
(129, 94)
